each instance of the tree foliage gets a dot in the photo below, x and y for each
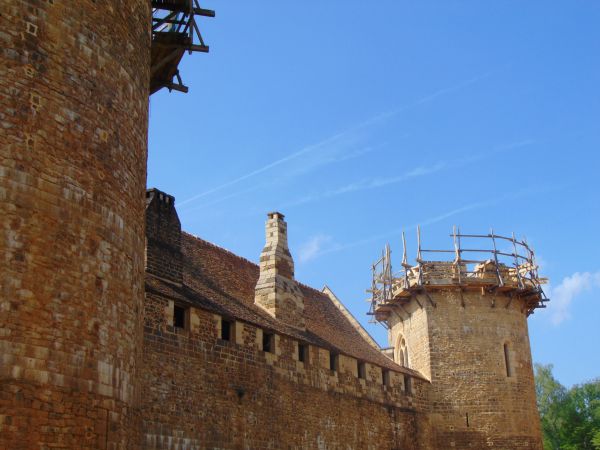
(570, 417)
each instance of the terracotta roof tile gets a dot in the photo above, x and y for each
(222, 282)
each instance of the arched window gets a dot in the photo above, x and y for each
(401, 356)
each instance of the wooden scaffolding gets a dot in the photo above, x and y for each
(511, 269)
(174, 31)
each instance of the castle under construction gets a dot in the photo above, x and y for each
(118, 330)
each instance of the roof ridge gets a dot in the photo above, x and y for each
(212, 244)
(351, 318)
(246, 260)
(304, 285)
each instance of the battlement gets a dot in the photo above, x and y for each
(162, 197)
(483, 265)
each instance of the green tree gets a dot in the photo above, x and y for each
(582, 414)
(550, 398)
(570, 418)
(596, 438)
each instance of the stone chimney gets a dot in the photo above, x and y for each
(276, 290)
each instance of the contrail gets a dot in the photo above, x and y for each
(355, 154)
(454, 88)
(444, 216)
(430, 221)
(257, 171)
(367, 123)
(374, 183)
(226, 197)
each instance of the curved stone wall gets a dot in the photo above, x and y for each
(73, 144)
(482, 393)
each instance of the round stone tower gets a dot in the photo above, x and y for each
(74, 80)
(463, 325)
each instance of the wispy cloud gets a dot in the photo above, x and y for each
(334, 153)
(563, 295)
(326, 246)
(367, 183)
(454, 88)
(454, 212)
(337, 154)
(495, 151)
(312, 247)
(330, 246)
(335, 139)
(379, 182)
(262, 169)
(430, 97)
(215, 201)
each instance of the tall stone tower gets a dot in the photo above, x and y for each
(276, 290)
(74, 81)
(463, 325)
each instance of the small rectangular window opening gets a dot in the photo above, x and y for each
(362, 370)
(385, 374)
(179, 316)
(302, 352)
(407, 385)
(467, 418)
(226, 330)
(268, 342)
(333, 361)
(507, 361)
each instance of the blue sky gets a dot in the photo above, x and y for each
(358, 121)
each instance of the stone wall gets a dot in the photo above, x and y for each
(73, 118)
(201, 391)
(475, 401)
(163, 237)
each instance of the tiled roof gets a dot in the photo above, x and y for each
(219, 281)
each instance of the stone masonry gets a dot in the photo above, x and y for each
(473, 345)
(210, 382)
(120, 331)
(73, 136)
(276, 290)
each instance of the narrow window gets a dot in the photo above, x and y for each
(362, 370)
(407, 385)
(507, 361)
(302, 352)
(467, 418)
(333, 361)
(227, 330)
(385, 375)
(268, 342)
(179, 313)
